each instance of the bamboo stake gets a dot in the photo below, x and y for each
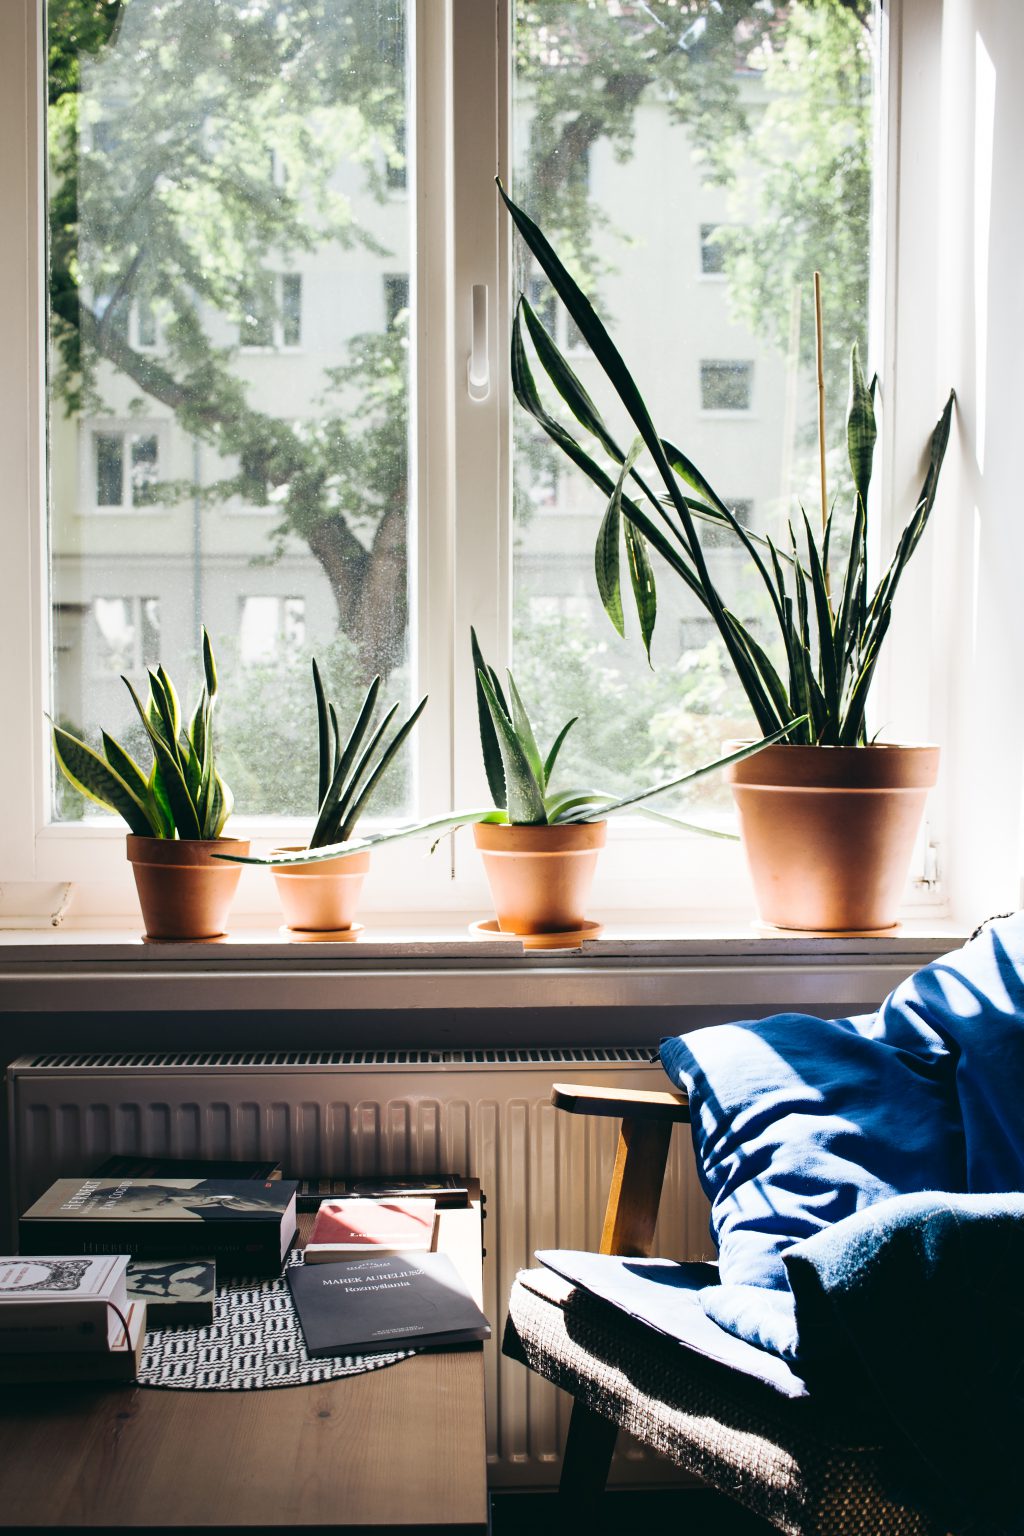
(821, 416)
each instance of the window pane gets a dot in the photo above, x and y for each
(646, 137)
(221, 223)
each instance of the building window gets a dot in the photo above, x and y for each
(270, 627)
(272, 312)
(125, 635)
(125, 468)
(726, 386)
(714, 536)
(145, 325)
(712, 252)
(396, 297)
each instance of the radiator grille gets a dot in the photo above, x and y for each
(485, 1113)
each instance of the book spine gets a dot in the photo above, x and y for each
(60, 1325)
(239, 1247)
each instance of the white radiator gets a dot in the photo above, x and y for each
(483, 1113)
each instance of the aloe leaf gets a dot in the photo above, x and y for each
(685, 826)
(558, 806)
(360, 844)
(524, 730)
(209, 666)
(488, 738)
(692, 776)
(524, 797)
(125, 766)
(861, 429)
(182, 809)
(556, 747)
(98, 781)
(351, 780)
(323, 722)
(387, 757)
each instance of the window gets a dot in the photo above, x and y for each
(726, 386)
(126, 634)
(125, 468)
(269, 626)
(712, 252)
(394, 505)
(272, 312)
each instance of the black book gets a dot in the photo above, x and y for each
(132, 1166)
(245, 1224)
(382, 1304)
(445, 1189)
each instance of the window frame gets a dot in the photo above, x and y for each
(461, 469)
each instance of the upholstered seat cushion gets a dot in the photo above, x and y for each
(778, 1457)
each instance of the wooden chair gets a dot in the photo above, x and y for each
(780, 1458)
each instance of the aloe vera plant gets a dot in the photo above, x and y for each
(519, 777)
(181, 795)
(830, 630)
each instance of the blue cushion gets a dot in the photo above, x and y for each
(798, 1122)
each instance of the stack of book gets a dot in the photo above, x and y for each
(68, 1318)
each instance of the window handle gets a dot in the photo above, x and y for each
(478, 369)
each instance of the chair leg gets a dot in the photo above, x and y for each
(589, 1446)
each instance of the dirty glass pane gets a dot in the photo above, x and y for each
(228, 370)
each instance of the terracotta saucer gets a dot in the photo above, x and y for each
(487, 928)
(318, 936)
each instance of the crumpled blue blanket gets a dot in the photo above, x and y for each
(846, 1162)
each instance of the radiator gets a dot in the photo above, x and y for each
(484, 1113)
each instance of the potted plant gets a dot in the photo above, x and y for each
(175, 812)
(319, 885)
(828, 818)
(539, 845)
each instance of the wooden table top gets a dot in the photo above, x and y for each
(398, 1447)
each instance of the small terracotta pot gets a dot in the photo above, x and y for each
(829, 831)
(540, 877)
(321, 897)
(184, 892)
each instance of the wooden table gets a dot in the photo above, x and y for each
(401, 1448)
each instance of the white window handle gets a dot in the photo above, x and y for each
(479, 370)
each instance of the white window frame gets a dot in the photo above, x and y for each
(461, 470)
(125, 427)
(278, 344)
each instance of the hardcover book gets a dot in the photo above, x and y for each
(132, 1166)
(120, 1362)
(445, 1189)
(381, 1304)
(362, 1229)
(63, 1302)
(246, 1224)
(174, 1290)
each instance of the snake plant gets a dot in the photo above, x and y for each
(830, 631)
(519, 778)
(182, 794)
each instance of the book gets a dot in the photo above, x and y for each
(118, 1363)
(363, 1229)
(245, 1224)
(61, 1302)
(174, 1290)
(382, 1304)
(132, 1166)
(445, 1189)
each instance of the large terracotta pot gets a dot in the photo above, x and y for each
(540, 877)
(321, 897)
(829, 831)
(184, 892)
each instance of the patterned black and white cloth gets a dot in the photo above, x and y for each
(255, 1340)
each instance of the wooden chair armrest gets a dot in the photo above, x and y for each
(621, 1103)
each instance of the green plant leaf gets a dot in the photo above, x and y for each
(688, 778)
(567, 383)
(488, 739)
(172, 708)
(861, 430)
(209, 666)
(157, 804)
(641, 576)
(353, 781)
(182, 809)
(606, 550)
(685, 826)
(524, 730)
(324, 736)
(328, 817)
(94, 778)
(559, 806)
(125, 766)
(354, 845)
(524, 797)
(556, 747)
(387, 757)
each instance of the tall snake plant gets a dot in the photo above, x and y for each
(828, 648)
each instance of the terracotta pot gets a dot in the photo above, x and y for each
(322, 897)
(184, 892)
(540, 877)
(829, 831)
